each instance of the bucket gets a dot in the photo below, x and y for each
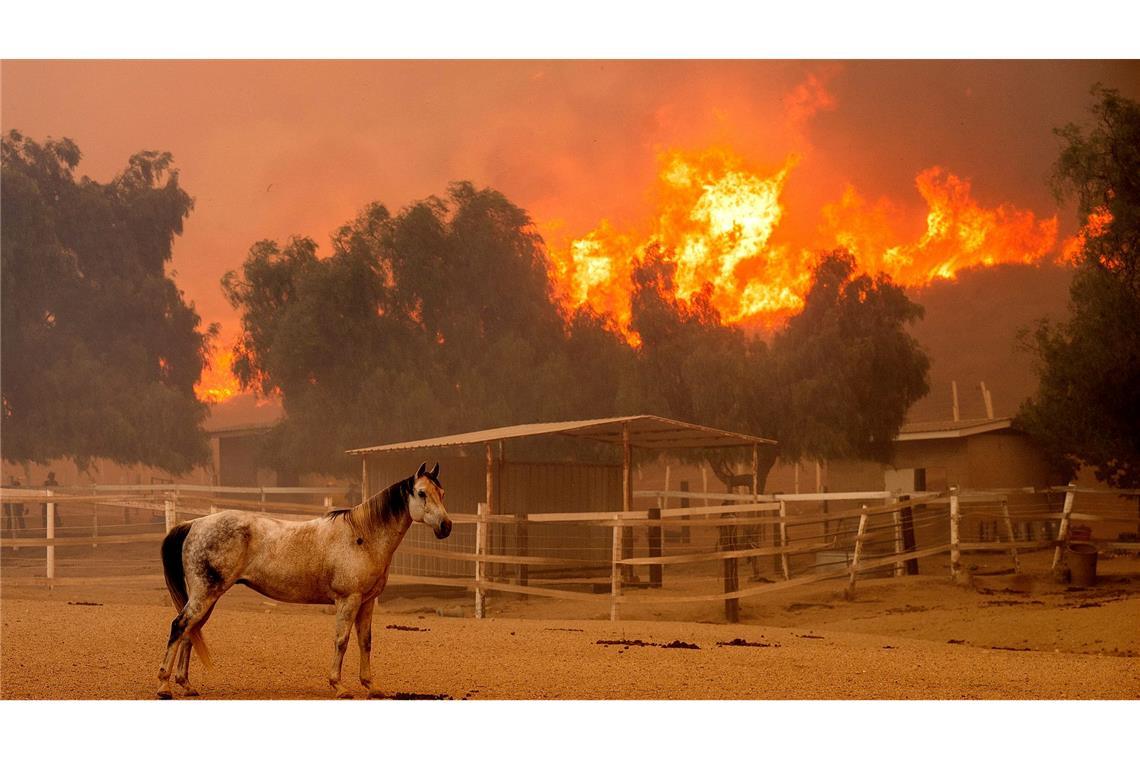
(1082, 564)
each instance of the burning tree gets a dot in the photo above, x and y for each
(437, 319)
(836, 381)
(101, 352)
(1087, 408)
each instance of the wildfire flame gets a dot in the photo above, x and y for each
(217, 383)
(717, 220)
(1095, 226)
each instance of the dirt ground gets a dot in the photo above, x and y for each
(996, 637)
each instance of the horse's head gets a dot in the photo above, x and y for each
(425, 504)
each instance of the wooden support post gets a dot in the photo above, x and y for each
(522, 547)
(626, 498)
(168, 513)
(955, 534)
(731, 576)
(685, 534)
(954, 392)
(857, 554)
(896, 519)
(49, 534)
(824, 509)
(616, 571)
(327, 503)
(1063, 531)
(491, 505)
(262, 497)
(480, 548)
(94, 526)
(654, 542)
(910, 543)
(705, 483)
(365, 486)
(784, 538)
(1009, 532)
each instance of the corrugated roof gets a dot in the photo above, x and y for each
(645, 431)
(921, 431)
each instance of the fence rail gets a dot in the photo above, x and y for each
(692, 554)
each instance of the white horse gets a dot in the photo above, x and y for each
(342, 558)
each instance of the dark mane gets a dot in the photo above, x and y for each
(378, 510)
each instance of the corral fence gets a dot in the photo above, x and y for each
(82, 521)
(674, 547)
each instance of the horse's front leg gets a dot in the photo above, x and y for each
(364, 641)
(346, 609)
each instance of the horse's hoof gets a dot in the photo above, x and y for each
(343, 694)
(375, 694)
(165, 694)
(191, 691)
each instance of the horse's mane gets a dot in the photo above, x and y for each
(378, 510)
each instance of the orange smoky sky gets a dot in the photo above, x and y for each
(271, 149)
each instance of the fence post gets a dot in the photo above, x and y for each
(615, 572)
(685, 503)
(94, 524)
(480, 549)
(1063, 531)
(654, 542)
(955, 539)
(522, 548)
(784, 538)
(857, 554)
(896, 519)
(1009, 532)
(49, 534)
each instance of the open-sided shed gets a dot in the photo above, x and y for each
(544, 467)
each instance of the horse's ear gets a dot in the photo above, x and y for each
(435, 472)
(423, 468)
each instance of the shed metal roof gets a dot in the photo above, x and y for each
(923, 431)
(645, 431)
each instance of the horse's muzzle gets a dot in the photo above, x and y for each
(444, 529)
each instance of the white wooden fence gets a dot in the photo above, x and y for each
(872, 531)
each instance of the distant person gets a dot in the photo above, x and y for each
(49, 484)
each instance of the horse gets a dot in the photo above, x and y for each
(341, 557)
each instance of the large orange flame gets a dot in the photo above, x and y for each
(217, 383)
(1095, 226)
(717, 219)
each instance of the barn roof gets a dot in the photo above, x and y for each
(645, 431)
(923, 431)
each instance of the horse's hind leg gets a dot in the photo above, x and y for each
(346, 609)
(192, 615)
(182, 668)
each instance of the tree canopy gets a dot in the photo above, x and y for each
(101, 351)
(836, 381)
(437, 319)
(1087, 406)
(444, 318)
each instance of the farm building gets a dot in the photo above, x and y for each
(539, 468)
(978, 453)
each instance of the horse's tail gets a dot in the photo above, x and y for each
(175, 574)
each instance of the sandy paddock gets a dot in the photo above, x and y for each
(999, 637)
